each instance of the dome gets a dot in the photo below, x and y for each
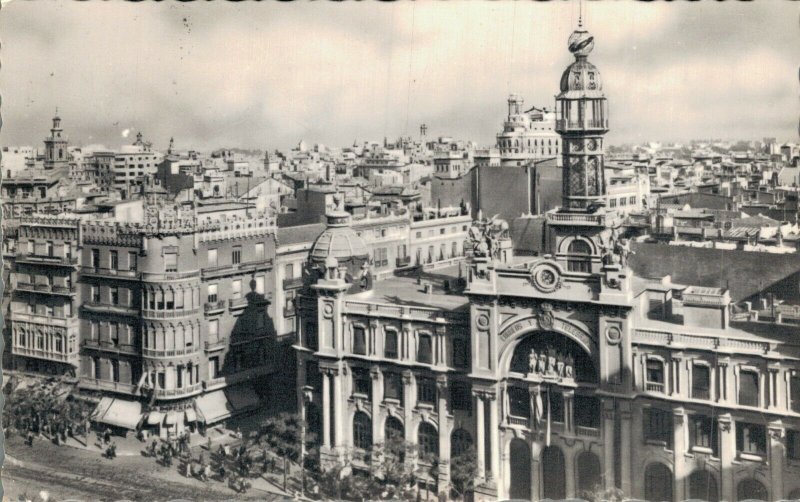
(581, 76)
(338, 241)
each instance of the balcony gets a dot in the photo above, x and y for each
(109, 346)
(168, 352)
(215, 307)
(582, 219)
(97, 384)
(587, 431)
(654, 387)
(45, 288)
(237, 269)
(701, 394)
(43, 354)
(402, 262)
(182, 392)
(214, 345)
(61, 322)
(58, 261)
(237, 303)
(109, 273)
(581, 125)
(169, 314)
(522, 421)
(293, 283)
(168, 276)
(241, 376)
(107, 308)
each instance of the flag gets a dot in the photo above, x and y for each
(538, 409)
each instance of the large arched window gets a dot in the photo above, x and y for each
(579, 256)
(394, 428)
(657, 483)
(751, 489)
(362, 431)
(554, 474)
(566, 349)
(460, 442)
(703, 486)
(589, 473)
(428, 439)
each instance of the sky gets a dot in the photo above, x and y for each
(267, 75)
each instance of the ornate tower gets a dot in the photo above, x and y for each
(55, 147)
(582, 122)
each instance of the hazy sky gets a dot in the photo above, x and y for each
(259, 75)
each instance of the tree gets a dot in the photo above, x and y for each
(281, 434)
(463, 472)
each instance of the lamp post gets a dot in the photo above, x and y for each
(307, 395)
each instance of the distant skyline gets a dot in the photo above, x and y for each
(267, 75)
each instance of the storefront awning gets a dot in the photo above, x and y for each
(122, 413)
(102, 408)
(173, 417)
(213, 407)
(155, 418)
(242, 397)
(191, 415)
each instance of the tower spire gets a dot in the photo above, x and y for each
(580, 13)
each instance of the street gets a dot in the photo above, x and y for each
(73, 473)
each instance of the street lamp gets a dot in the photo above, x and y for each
(307, 395)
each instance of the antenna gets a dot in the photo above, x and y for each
(580, 14)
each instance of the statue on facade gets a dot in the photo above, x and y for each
(622, 249)
(569, 364)
(532, 361)
(485, 235)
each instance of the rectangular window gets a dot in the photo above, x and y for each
(95, 294)
(212, 293)
(114, 260)
(236, 255)
(556, 406)
(703, 433)
(132, 260)
(114, 294)
(361, 382)
(359, 340)
(390, 344)
(212, 257)
(655, 375)
(612, 203)
(793, 444)
(259, 250)
(460, 352)
(213, 329)
(170, 262)
(461, 396)
(236, 289)
(49, 248)
(751, 438)
(425, 349)
(748, 388)
(393, 386)
(587, 411)
(701, 381)
(288, 271)
(260, 284)
(426, 390)
(658, 426)
(95, 258)
(794, 389)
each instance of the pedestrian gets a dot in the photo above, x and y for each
(222, 471)
(189, 468)
(209, 444)
(30, 438)
(107, 435)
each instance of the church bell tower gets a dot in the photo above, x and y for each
(55, 146)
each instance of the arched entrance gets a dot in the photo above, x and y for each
(657, 483)
(554, 477)
(703, 486)
(589, 474)
(520, 453)
(751, 489)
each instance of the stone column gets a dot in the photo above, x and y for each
(479, 438)
(536, 467)
(625, 448)
(569, 407)
(679, 451)
(608, 443)
(377, 397)
(776, 455)
(444, 432)
(637, 438)
(408, 405)
(727, 454)
(494, 438)
(569, 471)
(338, 409)
(326, 410)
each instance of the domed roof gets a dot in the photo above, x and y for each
(581, 77)
(338, 240)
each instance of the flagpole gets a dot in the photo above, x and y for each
(547, 434)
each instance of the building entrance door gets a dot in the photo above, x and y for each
(520, 470)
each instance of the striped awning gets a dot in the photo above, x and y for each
(122, 413)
